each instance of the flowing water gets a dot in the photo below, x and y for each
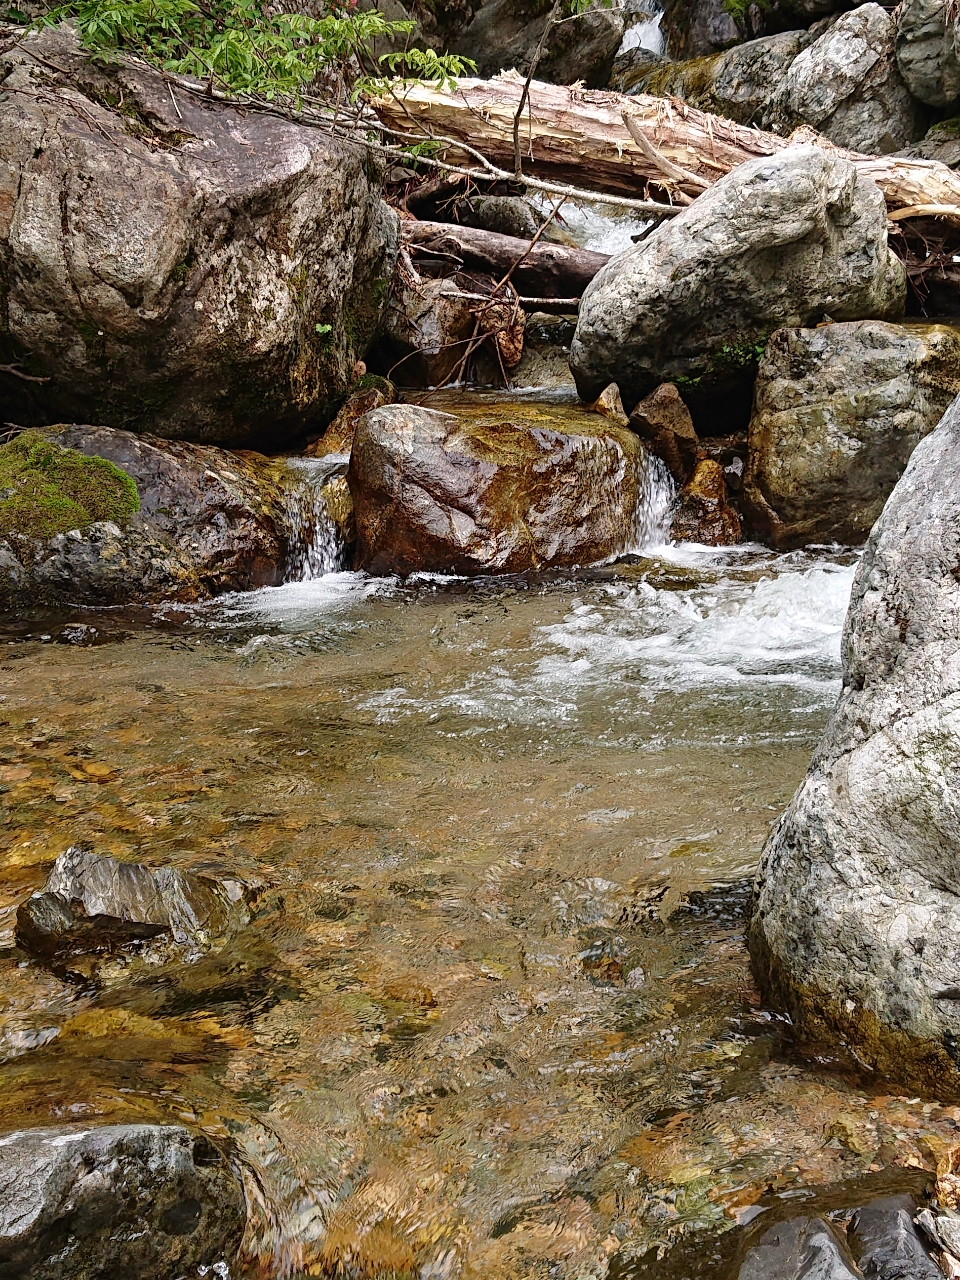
(494, 1016)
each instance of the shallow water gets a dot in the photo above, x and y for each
(494, 1016)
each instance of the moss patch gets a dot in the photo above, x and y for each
(46, 489)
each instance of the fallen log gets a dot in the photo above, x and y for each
(572, 135)
(543, 270)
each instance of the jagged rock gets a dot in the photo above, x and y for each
(425, 337)
(856, 928)
(181, 267)
(505, 34)
(798, 1248)
(941, 142)
(631, 67)
(837, 412)
(609, 405)
(847, 85)
(338, 437)
(738, 83)
(477, 494)
(145, 1201)
(703, 511)
(886, 1244)
(93, 904)
(664, 424)
(780, 240)
(210, 521)
(928, 35)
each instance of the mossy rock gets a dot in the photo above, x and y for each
(46, 489)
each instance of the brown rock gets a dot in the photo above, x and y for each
(663, 422)
(428, 327)
(704, 514)
(338, 437)
(475, 494)
(609, 405)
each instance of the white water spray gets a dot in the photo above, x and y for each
(316, 545)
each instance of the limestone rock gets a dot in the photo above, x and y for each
(210, 521)
(663, 423)
(780, 240)
(856, 928)
(928, 34)
(847, 85)
(738, 83)
(182, 268)
(93, 904)
(426, 333)
(145, 1201)
(838, 410)
(703, 512)
(476, 494)
(505, 34)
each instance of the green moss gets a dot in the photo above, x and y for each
(741, 351)
(46, 489)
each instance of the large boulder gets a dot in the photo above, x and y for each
(847, 85)
(928, 50)
(209, 521)
(856, 926)
(142, 1201)
(175, 265)
(782, 240)
(838, 411)
(506, 33)
(479, 494)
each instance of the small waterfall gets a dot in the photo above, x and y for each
(646, 33)
(315, 545)
(656, 493)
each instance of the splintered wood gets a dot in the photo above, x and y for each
(581, 137)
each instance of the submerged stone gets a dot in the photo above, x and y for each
(886, 1243)
(797, 1250)
(141, 1201)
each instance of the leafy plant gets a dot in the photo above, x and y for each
(247, 47)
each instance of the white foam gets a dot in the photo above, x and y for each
(645, 34)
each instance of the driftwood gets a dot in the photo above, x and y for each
(542, 271)
(574, 135)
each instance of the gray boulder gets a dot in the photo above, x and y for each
(783, 240)
(93, 904)
(425, 338)
(798, 1249)
(928, 35)
(837, 413)
(210, 521)
(847, 86)
(941, 142)
(141, 1201)
(506, 34)
(485, 493)
(700, 28)
(177, 267)
(856, 927)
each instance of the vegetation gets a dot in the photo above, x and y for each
(247, 47)
(46, 489)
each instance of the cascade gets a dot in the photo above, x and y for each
(315, 544)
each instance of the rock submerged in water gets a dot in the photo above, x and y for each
(856, 928)
(783, 240)
(141, 1201)
(838, 410)
(473, 495)
(93, 905)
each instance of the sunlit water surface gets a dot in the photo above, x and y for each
(494, 1017)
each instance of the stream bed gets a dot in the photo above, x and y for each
(494, 1015)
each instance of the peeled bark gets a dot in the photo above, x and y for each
(578, 136)
(545, 270)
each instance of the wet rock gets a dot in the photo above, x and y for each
(738, 83)
(887, 1245)
(780, 240)
(703, 511)
(847, 85)
(209, 521)
(145, 1201)
(632, 67)
(928, 35)
(338, 437)
(856, 927)
(183, 268)
(505, 34)
(609, 405)
(663, 423)
(428, 327)
(434, 492)
(797, 1249)
(837, 412)
(94, 905)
